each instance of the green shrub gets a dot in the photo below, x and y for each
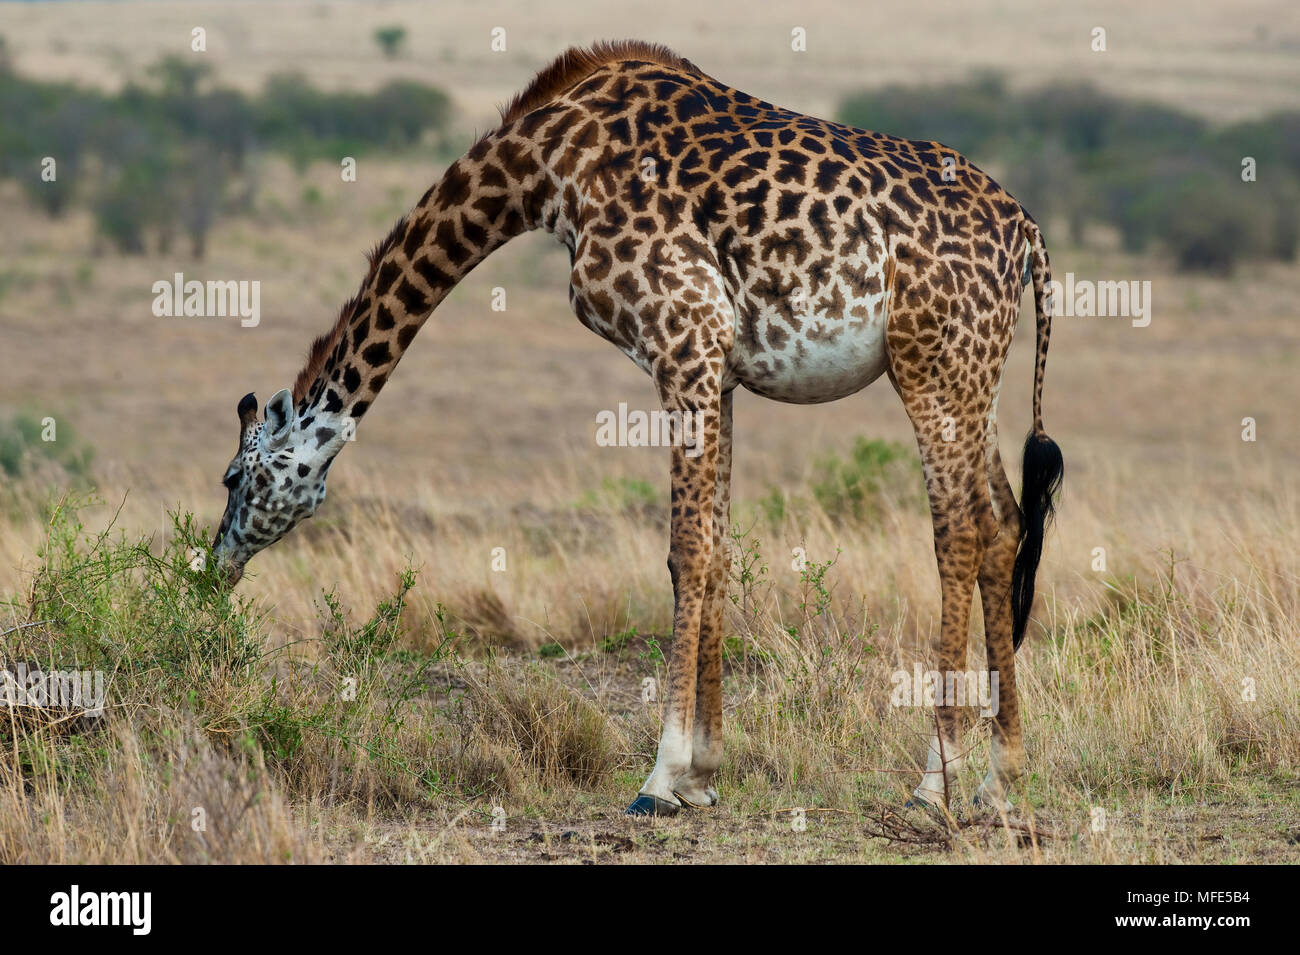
(858, 487)
(621, 494)
(23, 446)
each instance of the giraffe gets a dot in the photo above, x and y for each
(720, 242)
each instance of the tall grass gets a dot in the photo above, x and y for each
(1162, 690)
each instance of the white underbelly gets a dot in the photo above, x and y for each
(826, 357)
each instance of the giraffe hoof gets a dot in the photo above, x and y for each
(919, 803)
(647, 805)
(923, 805)
(986, 799)
(921, 800)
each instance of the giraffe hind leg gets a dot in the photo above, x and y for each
(1006, 756)
(934, 378)
(963, 524)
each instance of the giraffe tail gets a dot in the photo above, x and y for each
(1043, 467)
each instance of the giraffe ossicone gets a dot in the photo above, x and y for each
(797, 258)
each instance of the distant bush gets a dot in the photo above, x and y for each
(876, 475)
(390, 40)
(856, 487)
(966, 116)
(23, 448)
(296, 118)
(1152, 172)
(171, 155)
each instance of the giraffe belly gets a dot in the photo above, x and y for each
(824, 359)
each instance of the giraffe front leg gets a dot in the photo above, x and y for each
(690, 560)
(695, 788)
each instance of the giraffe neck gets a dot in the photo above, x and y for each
(487, 197)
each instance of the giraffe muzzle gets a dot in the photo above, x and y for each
(229, 571)
(231, 574)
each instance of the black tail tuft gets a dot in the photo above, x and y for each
(1043, 471)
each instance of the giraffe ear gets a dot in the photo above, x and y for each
(279, 420)
(247, 409)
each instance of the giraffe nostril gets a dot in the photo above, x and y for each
(229, 572)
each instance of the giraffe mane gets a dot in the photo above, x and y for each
(577, 63)
(321, 348)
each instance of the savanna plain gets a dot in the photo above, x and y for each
(450, 661)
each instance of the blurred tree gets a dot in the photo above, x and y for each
(1159, 176)
(200, 188)
(1051, 185)
(62, 133)
(402, 111)
(179, 76)
(168, 154)
(965, 116)
(1284, 240)
(390, 40)
(136, 192)
(307, 123)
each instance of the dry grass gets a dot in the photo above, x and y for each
(1133, 699)
(180, 801)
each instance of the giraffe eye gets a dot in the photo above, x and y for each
(231, 480)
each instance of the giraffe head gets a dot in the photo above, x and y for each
(276, 479)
